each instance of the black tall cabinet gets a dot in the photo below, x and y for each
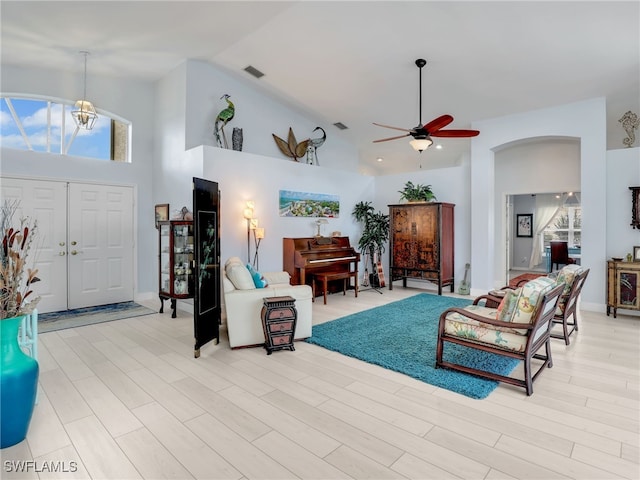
(206, 226)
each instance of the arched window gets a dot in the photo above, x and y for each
(46, 125)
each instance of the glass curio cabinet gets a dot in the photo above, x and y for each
(176, 262)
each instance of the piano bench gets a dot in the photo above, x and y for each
(326, 277)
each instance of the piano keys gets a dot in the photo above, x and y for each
(302, 257)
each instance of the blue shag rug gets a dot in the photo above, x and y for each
(49, 322)
(401, 336)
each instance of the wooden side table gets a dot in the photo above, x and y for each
(279, 316)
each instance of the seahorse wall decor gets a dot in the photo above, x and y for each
(291, 148)
(630, 122)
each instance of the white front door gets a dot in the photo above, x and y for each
(46, 202)
(100, 244)
(84, 243)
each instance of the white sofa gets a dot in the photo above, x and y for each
(243, 303)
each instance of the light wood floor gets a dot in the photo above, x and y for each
(126, 400)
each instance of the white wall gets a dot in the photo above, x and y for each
(175, 112)
(187, 102)
(520, 247)
(258, 115)
(623, 171)
(450, 185)
(172, 172)
(132, 100)
(244, 176)
(557, 169)
(583, 120)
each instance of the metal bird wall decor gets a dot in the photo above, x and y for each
(224, 117)
(291, 148)
(314, 145)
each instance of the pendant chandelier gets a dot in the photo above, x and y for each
(84, 114)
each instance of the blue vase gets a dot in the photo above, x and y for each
(19, 383)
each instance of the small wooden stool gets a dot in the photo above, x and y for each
(326, 277)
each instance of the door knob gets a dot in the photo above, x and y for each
(62, 254)
(62, 244)
(74, 252)
(74, 243)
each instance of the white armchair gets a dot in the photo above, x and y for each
(243, 303)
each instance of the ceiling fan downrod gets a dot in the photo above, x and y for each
(421, 62)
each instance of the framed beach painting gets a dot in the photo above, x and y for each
(303, 204)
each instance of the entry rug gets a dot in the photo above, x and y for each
(401, 336)
(49, 322)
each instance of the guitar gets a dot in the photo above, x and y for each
(464, 288)
(381, 282)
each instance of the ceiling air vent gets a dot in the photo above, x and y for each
(340, 125)
(254, 71)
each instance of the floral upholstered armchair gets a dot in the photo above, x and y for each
(573, 277)
(517, 328)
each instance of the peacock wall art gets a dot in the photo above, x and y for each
(224, 117)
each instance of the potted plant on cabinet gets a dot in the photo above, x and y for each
(416, 193)
(372, 243)
(18, 371)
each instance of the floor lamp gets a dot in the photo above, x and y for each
(258, 235)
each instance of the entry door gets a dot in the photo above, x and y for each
(100, 244)
(46, 202)
(84, 243)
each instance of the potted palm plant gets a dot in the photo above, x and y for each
(416, 193)
(375, 234)
(18, 371)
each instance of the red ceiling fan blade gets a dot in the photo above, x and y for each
(455, 133)
(391, 138)
(437, 123)
(394, 128)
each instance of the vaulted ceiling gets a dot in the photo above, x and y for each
(353, 62)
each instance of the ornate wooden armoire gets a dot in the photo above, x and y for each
(421, 243)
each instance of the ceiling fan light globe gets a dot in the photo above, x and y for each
(420, 144)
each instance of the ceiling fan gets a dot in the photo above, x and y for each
(422, 133)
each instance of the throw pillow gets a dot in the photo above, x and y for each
(240, 277)
(258, 280)
(508, 305)
(530, 297)
(233, 261)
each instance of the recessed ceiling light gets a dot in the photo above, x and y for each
(439, 147)
(379, 159)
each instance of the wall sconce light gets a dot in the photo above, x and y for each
(247, 213)
(258, 235)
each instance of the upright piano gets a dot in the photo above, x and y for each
(304, 256)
